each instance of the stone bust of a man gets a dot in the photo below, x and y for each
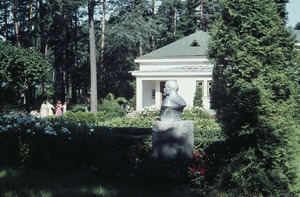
(173, 105)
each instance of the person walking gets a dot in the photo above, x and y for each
(50, 108)
(58, 111)
(44, 110)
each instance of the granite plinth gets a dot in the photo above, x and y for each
(173, 140)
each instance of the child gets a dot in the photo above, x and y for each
(65, 107)
(58, 109)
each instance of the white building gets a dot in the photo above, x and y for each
(183, 60)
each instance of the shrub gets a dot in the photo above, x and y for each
(110, 107)
(195, 112)
(142, 122)
(198, 96)
(84, 117)
(256, 93)
(76, 108)
(151, 112)
(204, 138)
(60, 143)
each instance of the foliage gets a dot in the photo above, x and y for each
(198, 102)
(255, 94)
(297, 26)
(21, 67)
(141, 122)
(76, 108)
(62, 144)
(204, 138)
(58, 143)
(111, 108)
(59, 30)
(195, 112)
(198, 170)
(150, 112)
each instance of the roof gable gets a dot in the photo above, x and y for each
(195, 44)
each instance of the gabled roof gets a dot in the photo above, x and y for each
(195, 44)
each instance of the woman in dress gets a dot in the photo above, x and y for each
(58, 109)
(44, 110)
(50, 108)
(65, 107)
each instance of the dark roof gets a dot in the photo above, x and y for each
(195, 44)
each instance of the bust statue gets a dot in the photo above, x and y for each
(173, 105)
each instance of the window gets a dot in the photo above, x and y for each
(208, 88)
(194, 44)
(200, 83)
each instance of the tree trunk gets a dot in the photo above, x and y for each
(201, 16)
(64, 85)
(42, 27)
(103, 33)
(175, 17)
(30, 16)
(14, 10)
(91, 6)
(74, 93)
(5, 19)
(152, 37)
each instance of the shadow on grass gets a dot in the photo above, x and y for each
(24, 182)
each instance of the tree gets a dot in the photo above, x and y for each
(297, 26)
(128, 34)
(167, 17)
(22, 67)
(94, 95)
(198, 96)
(255, 92)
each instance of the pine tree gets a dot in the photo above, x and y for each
(198, 96)
(94, 94)
(254, 92)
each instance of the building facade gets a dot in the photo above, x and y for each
(183, 60)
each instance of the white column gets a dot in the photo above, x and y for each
(157, 93)
(205, 88)
(139, 94)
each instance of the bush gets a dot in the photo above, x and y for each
(194, 113)
(88, 118)
(151, 112)
(76, 108)
(60, 143)
(142, 122)
(111, 109)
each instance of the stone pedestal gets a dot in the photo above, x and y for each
(173, 140)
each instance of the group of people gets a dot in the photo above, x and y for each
(47, 109)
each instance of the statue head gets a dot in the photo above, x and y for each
(173, 105)
(171, 86)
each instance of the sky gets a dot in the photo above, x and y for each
(293, 9)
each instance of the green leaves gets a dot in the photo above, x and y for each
(21, 66)
(254, 91)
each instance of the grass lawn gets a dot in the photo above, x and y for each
(24, 182)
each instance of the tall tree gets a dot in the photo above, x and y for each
(94, 95)
(255, 93)
(15, 12)
(297, 26)
(167, 17)
(4, 18)
(103, 32)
